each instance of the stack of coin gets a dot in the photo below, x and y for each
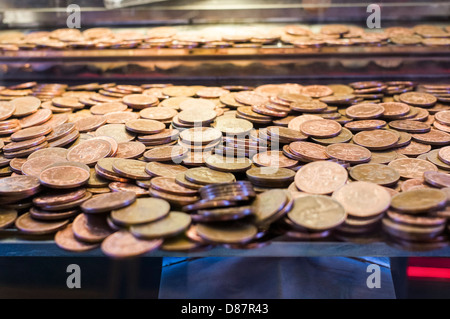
(414, 220)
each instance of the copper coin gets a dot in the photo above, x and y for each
(351, 153)
(158, 113)
(19, 185)
(197, 116)
(23, 145)
(28, 225)
(200, 135)
(443, 117)
(395, 109)
(343, 137)
(90, 123)
(433, 157)
(107, 202)
(166, 153)
(39, 117)
(363, 199)
(91, 228)
(316, 91)
(376, 139)
(413, 149)
(412, 167)
(250, 98)
(47, 215)
(433, 137)
(105, 108)
(273, 159)
(175, 200)
(410, 126)
(6, 109)
(317, 212)
(65, 140)
(363, 125)
(375, 173)
(228, 164)
(205, 176)
(66, 239)
(168, 185)
(269, 204)
(7, 217)
(126, 187)
(166, 135)
(60, 131)
(63, 177)
(227, 233)
(144, 126)
(120, 117)
(419, 200)
(321, 177)
(67, 101)
(142, 211)
(415, 220)
(59, 197)
(444, 154)
(51, 151)
(172, 224)
(412, 183)
(130, 168)
(130, 150)
(364, 111)
(165, 170)
(308, 151)
(285, 133)
(233, 126)
(123, 244)
(437, 179)
(418, 99)
(89, 152)
(321, 128)
(116, 131)
(34, 166)
(30, 133)
(24, 106)
(140, 100)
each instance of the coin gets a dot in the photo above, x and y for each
(317, 212)
(351, 153)
(171, 225)
(415, 220)
(144, 126)
(63, 176)
(19, 185)
(413, 149)
(409, 232)
(107, 202)
(227, 232)
(142, 211)
(6, 109)
(321, 177)
(270, 176)
(412, 167)
(168, 185)
(56, 198)
(363, 199)
(26, 224)
(123, 244)
(130, 150)
(418, 99)
(7, 217)
(233, 126)
(375, 173)
(166, 153)
(364, 111)
(180, 243)
(376, 139)
(165, 170)
(130, 168)
(269, 204)
(308, 151)
(34, 166)
(90, 123)
(205, 176)
(437, 179)
(320, 128)
(66, 239)
(24, 106)
(89, 151)
(433, 137)
(116, 131)
(273, 159)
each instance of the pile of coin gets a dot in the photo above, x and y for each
(133, 168)
(222, 37)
